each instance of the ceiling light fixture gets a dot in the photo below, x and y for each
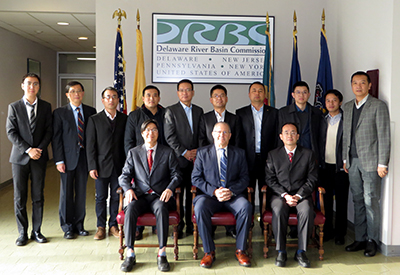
(63, 23)
(87, 58)
(83, 38)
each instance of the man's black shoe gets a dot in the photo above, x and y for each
(38, 237)
(356, 246)
(162, 263)
(22, 240)
(370, 249)
(302, 259)
(83, 232)
(69, 235)
(128, 264)
(281, 259)
(339, 240)
(231, 233)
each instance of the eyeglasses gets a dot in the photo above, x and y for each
(110, 97)
(154, 130)
(293, 133)
(219, 96)
(34, 84)
(185, 90)
(221, 132)
(300, 92)
(75, 92)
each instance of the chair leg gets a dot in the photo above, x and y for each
(265, 249)
(195, 241)
(250, 245)
(121, 241)
(321, 242)
(176, 249)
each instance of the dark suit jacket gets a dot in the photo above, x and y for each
(299, 177)
(105, 146)
(133, 136)
(164, 174)
(207, 122)
(339, 143)
(206, 176)
(269, 132)
(315, 116)
(19, 131)
(177, 130)
(65, 135)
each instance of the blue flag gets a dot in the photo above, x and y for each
(268, 76)
(324, 77)
(295, 74)
(119, 72)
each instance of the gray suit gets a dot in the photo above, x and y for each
(372, 136)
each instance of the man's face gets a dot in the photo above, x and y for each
(289, 135)
(75, 95)
(30, 86)
(218, 98)
(185, 93)
(150, 134)
(301, 94)
(360, 86)
(257, 93)
(151, 98)
(221, 135)
(332, 103)
(110, 100)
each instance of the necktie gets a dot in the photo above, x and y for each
(150, 158)
(32, 118)
(223, 167)
(80, 127)
(290, 157)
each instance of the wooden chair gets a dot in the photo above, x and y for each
(319, 222)
(148, 219)
(220, 218)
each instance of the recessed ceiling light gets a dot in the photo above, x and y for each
(83, 38)
(63, 23)
(38, 32)
(87, 58)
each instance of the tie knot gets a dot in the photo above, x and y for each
(222, 150)
(290, 156)
(150, 151)
(31, 105)
(78, 109)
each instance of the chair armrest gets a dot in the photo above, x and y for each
(121, 199)
(177, 200)
(264, 199)
(321, 192)
(250, 191)
(194, 193)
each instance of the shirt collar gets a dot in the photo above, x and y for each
(109, 115)
(74, 107)
(186, 107)
(25, 101)
(255, 110)
(287, 150)
(361, 103)
(220, 117)
(299, 110)
(333, 119)
(148, 147)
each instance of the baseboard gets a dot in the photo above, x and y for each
(390, 250)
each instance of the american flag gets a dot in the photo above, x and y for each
(119, 72)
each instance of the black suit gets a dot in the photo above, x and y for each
(19, 133)
(297, 177)
(207, 123)
(66, 149)
(269, 139)
(206, 177)
(164, 174)
(180, 137)
(105, 153)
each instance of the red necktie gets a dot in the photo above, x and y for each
(150, 159)
(290, 157)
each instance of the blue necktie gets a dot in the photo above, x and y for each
(223, 162)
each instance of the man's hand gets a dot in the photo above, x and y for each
(130, 195)
(93, 174)
(382, 171)
(344, 168)
(166, 195)
(291, 200)
(35, 153)
(190, 155)
(61, 167)
(223, 194)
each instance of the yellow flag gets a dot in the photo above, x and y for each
(140, 79)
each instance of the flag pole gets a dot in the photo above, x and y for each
(323, 19)
(138, 19)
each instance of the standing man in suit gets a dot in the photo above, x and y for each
(181, 129)
(106, 157)
(29, 130)
(69, 141)
(154, 170)
(292, 174)
(260, 135)
(332, 175)
(220, 172)
(366, 153)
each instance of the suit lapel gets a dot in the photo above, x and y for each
(212, 154)
(22, 110)
(364, 110)
(157, 157)
(143, 158)
(183, 115)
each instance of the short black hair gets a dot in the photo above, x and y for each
(73, 83)
(218, 87)
(336, 93)
(257, 82)
(30, 75)
(290, 123)
(148, 87)
(109, 88)
(300, 84)
(360, 73)
(146, 123)
(184, 81)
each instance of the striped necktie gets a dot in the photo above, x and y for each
(80, 127)
(150, 159)
(32, 118)
(223, 162)
(290, 156)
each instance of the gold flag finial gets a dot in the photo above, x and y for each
(323, 19)
(267, 22)
(294, 21)
(138, 19)
(119, 13)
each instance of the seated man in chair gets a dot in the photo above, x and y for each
(155, 171)
(292, 173)
(220, 172)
